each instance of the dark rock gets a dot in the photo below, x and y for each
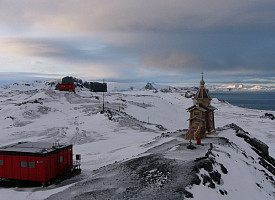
(165, 90)
(206, 179)
(268, 177)
(160, 127)
(86, 85)
(236, 128)
(213, 160)
(57, 86)
(10, 117)
(200, 158)
(268, 166)
(149, 86)
(211, 146)
(196, 169)
(205, 164)
(187, 194)
(196, 180)
(69, 80)
(188, 94)
(212, 185)
(259, 186)
(221, 100)
(258, 145)
(208, 153)
(244, 154)
(261, 146)
(223, 192)
(50, 83)
(216, 176)
(31, 101)
(224, 170)
(242, 135)
(109, 114)
(190, 146)
(270, 116)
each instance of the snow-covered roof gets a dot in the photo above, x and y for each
(32, 147)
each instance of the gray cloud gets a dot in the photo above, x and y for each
(8, 78)
(156, 37)
(160, 15)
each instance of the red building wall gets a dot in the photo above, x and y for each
(8, 167)
(66, 87)
(2, 172)
(37, 168)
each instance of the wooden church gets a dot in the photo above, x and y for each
(201, 121)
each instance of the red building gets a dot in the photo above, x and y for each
(35, 161)
(67, 87)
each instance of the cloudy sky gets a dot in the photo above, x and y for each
(138, 40)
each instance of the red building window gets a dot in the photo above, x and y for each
(23, 164)
(31, 165)
(1, 162)
(61, 159)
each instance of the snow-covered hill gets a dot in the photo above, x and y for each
(136, 148)
(239, 87)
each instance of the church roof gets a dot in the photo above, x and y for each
(212, 108)
(202, 92)
(201, 107)
(197, 107)
(196, 118)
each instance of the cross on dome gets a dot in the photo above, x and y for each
(202, 81)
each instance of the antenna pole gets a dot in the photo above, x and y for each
(103, 100)
(103, 103)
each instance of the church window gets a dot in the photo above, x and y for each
(197, 124)
(196, 113)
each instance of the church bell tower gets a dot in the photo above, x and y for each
(201, 121)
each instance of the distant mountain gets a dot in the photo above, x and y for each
(240, 87)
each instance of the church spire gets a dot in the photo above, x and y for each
(202, 81)
(202, 92)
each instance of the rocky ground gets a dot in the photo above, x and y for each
(169, 171)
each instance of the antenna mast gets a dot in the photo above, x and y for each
(103, 99)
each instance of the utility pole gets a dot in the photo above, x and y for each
(103, 101)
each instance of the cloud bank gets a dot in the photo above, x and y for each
(139, 40)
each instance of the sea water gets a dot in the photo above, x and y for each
(254, 100)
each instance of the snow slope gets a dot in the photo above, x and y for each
(129, 128)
